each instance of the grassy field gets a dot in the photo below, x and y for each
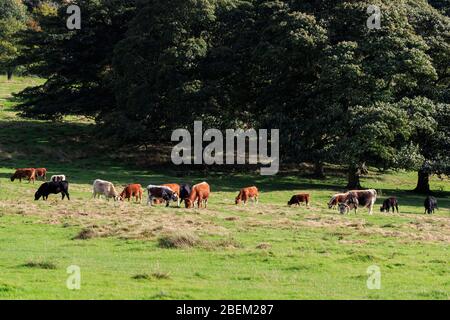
(267, 251)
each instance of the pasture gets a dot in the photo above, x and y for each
(265, 251)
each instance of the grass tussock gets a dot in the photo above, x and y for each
(177, 240)
(40, 264)
(85, 234)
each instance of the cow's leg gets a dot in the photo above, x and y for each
(150, 201)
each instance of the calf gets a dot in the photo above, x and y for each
(160, 192)
(430, 205)
(52, 188)
(200, 194)
(299, 198)
(106, 188)
(336, 199)
(249, 193)
(41, 172)
(388, 204)
(57, 178)
(130, 191)
(26, 173)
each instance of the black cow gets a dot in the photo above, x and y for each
(430, 204)
(185, 191)
(388, 204)
(160, 192)
(52, 187)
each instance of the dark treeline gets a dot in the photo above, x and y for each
(339, 91)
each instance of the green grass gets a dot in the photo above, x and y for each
(268, 251)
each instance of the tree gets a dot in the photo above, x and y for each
(366, 71)
(156, 69)
(76, 63)
(12, 20)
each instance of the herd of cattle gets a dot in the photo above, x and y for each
(198, 194)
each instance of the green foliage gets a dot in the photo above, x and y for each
(339, 91)
(12, 20)
(77, 64)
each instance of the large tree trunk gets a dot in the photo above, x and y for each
(423, 182)
(354, 174)
(319, 171)
(9, 74)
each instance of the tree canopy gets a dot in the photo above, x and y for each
(339, 91)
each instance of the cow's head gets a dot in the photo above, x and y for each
(37, 195)
(13, 178)
(344, 208)
(188, 203)
(237, 200)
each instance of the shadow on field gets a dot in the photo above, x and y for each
(71, 149)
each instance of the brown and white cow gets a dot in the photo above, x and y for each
(246, 194)
(25, 173)
(200, 194)
(41, 173)
(365, 198)
(106, 188)
(299, 198)
(130, 191)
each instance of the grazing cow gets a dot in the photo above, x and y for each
(160, 192)
(59, 177)
(101, 187)
(366, 198)
(299, 198)
(351, 202)
(185, 191)
(430, 205)
(26, 173)
(200, 194)
(52, 188)
(130, 191)
(41, 172)
(175, 188)
(249, 193)
(388, 204)
(336, 199)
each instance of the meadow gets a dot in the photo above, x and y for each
(265, 251)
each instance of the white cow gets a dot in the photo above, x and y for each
(57, 178)
(106, 188)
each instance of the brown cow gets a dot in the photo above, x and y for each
(26, 173)
(336, 199)
(41, 172)
(200, 193)
(130, 191)
(299, 198)
(249, 193)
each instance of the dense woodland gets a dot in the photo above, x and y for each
(338, 91)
